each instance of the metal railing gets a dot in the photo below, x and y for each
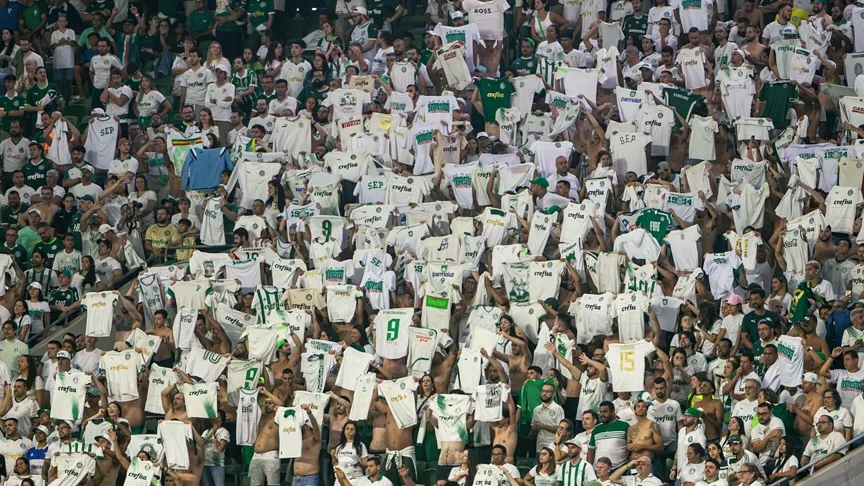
(66, 317)
(805, 471)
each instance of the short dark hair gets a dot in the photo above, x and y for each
(161, 312)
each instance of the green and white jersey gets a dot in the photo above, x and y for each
(578, 474)
(656, 222)
(451, 412)
(67, 396)
(267, 298)
(610, 440)
(201, 399)
(141, 473)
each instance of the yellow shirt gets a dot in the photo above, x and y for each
(162, 236)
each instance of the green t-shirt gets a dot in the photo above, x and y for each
(495, 94)
(425, 54)
(10, 217)
(18, 252)
(684, 102)
(635, 27)
(611, 436)
(15, 103)
(201, 22)
(656, 222)
(32, 15)
(236, 6)
(259, 12)
(97, 6)
(75, 230)
(524, 66)
(133, 83)
(85, 44)
(34, 175)
(37, 94)
(49, 249)
(242, 83)
(310, 91)
(259, 94)
(64, 298)
(777, 97)
(168, 8)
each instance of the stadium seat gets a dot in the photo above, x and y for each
(234, 474)
(429, 476)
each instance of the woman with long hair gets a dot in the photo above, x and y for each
(206, 124)
(360, 341)
(544, 473)
(715, 453)
(146, 199)
(329, 41)
(150, 102)
(464, 473)
(252, 61)
(275, 203)
(780, 291)
(28, 371)
(735, 427)
(274, 59)
(8, 49)
(708, 327)
(38, 309)
(542, 19)
(425, 392)
(86, 280)
(350, 454)
(216, 440)
(22, 320)
(215, 57)
(785, 463)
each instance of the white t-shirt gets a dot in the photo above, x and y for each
(196, 83)
(627, 365)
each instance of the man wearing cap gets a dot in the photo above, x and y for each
(86, 187)
(804, 413)
(365, 33)
(691, 433)
(36, 454)
(64, 432)
(219, 97)
(574, 471)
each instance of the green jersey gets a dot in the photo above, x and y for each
(425, 55)
(49, 249)
(656, 222)
(260, 12)
(45, 277)
(235, 6)
(64, 298)
(201, 22)
(610, 439)
(777, 97)
(38, 95)
(32, 15)
(133, 83)
(684, 102)
(524, 66)
(495, 94)
(635, 27)
(15, 103)
(75, 230)
(243, 82)
(34, 175)
(10, 216)
(261, 95)
(18, 252)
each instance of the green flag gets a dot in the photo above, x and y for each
(801, 301)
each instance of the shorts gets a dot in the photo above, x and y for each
(264, 469)
(62, 74)
(310, 480)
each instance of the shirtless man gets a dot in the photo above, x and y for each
(753, 47)
(451, 450)
(805, 406)
(306, 467)
(288, 359)
(164, 356)
(218, 342)
(505, 431)
(712, 409)
(175, 407)
(340, 406)
(285, 390)
(442, 369)
(264, 467)
(399, 443)
(107, 466)
(191, 476)
(518, 364)
(643, 437)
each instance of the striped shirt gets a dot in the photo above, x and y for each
(610, 440)
(578, 474)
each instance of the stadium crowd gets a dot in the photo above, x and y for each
(430, 242)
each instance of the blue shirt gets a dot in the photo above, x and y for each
(9, 16)
(203, 168)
